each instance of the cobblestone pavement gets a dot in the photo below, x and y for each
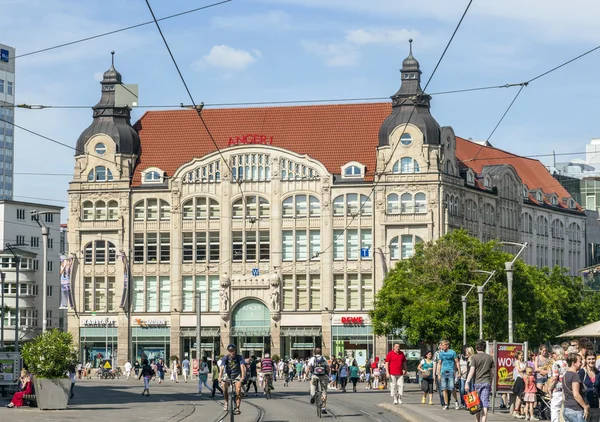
(120, 400)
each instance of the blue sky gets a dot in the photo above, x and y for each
(279, 50)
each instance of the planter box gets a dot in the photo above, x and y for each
(52, 394)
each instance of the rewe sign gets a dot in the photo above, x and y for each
(250, 139)
(353, 320)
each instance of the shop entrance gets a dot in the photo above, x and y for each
(300, 342)
(210, 342)
(251, 328)
(353, 342)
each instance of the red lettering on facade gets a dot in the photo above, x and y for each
(250, 139)
(352, 320)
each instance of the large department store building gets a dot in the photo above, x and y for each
(287, 230)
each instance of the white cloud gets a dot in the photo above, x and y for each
(381, 36)
(228, 58)
(334, 54)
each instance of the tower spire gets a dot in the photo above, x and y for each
(112, 53)
(409, 43)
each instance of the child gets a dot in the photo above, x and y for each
(375, 383)
(529, 394)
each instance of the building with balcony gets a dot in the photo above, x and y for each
(283, 234)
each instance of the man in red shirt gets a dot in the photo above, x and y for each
(395, 369)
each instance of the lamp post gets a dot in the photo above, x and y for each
(198, 326)
(330, 331)
(17, 265)
(464, 306)
(480, 294)
(2, 310)
(106, 345)
(509, 266)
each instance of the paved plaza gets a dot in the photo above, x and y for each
(121, 400)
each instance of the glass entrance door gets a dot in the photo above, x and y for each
(250, 329)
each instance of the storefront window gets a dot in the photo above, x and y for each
(151, 342)
(355, 342)
(98, 344)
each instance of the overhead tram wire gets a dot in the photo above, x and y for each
(196, 107)
(119, 30)
(378, 180)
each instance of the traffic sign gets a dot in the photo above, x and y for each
(255, 272)
(107, 365)
(364, 252)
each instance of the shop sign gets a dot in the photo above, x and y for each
(353, 320)
(505, 355)
(250, 139)
(303, 345)
(9, 368)
(145, 323)
(98, 323)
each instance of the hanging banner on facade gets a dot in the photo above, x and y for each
(125, 297)
(505, 364)
(66, 298)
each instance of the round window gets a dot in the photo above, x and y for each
(100, 148)
(406, 139)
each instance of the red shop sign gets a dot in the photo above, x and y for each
(250, 139)
(353, 320)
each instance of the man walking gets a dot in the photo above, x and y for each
(185, 368)
(447, 368)
(395, 368)
(482, 365)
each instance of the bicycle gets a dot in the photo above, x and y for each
(319, 399)
(267, 388)
(232, 395)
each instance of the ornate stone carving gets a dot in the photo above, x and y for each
(224, 300)
(274, 299)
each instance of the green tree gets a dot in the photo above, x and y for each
(422, 295)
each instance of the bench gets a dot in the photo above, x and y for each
(31, 399)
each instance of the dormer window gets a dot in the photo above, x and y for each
(153, 176)
(100, 174)
(487, 182)
(406, 139)
(571, 203)
(554, 200)
(353, 170)
(525, 192)
(539, 196)
(470, 178)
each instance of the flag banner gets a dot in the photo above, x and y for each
(66, 297)
(125, 296)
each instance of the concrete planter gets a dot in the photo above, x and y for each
(52, 394)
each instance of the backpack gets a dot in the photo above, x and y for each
(286, 369)
(320, 366)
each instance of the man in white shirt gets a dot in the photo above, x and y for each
(127, 369)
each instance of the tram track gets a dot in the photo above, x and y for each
(259, 417)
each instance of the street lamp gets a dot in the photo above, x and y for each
(509, 278)
(480, 294)
(45, 233)
(198, 326)
(2, 310)
(331, 331)
(464, 306)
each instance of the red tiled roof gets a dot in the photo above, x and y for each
(331, 134)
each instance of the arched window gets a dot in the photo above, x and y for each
(406, 203)
(366, 205)
(152, 176)
(100, 210)
(165, 210)
(88, 211)
(256, 207)
(152, 209)
(200, 208)
(406, 165)
(393, 205)
(100, 252)
(251, 167)
(113, 210)
(406, 248)
(296, 206)
(394, 250)
(100, 174)
(139, 211)
(338, 206)
(420, 203)
(353, 171)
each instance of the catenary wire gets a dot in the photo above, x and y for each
(119, 30)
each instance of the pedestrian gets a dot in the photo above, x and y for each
(463, 361)
(333, 374)
(203, 376)
(175, 370)
(160, 368)
(343, 375)
(72, 371)
(555, 382)
(396, 369)
(448, 368)
(26, 388)
(575, 407)
(79, 370)
(354, 374)
(591, 381)
(425, 369)
(529, 394)
(482, 367)
(382, 375)
(285, 372)
(185, 365)
(136, 368)
(88, 370)
(585, 345)
(519, 383)
(543, 364)
(147, 372)
(127, 369)
(154, 369)
(215, 378)
(299, 368)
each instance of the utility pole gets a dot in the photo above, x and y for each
(198, 326)
(480, 293)
(464, 306)
(509, 266)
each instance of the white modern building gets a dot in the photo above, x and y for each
(7, 102)
(21, 235)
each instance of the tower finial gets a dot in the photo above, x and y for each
(112, 53)
(410, 44)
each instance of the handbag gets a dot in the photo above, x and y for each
(473, 402)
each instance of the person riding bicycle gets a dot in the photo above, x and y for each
(267, 367)
(233, 368)
(318, 369)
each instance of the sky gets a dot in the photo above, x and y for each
(282, 50)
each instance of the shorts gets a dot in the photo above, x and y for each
(333, 377)
(529, 397)
(541, 380)
(484, 394)
(447, 381)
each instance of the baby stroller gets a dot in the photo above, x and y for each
(542, 409)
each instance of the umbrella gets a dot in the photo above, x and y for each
(590, 330)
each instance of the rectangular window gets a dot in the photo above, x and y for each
(138, 294)
(165, 294)
(338, 245)
(1, 86)
(237, 246)
(590, 202)
(301, 292)
(165, 247)
(151, 294)
(35, 242)
(366, 243)
(288, 292)
(111, 294)
(315, 293)
(251, 246)
(99, 294)
(20, 240)
(214, 246)
(213, 281)
(265, 246)
(151, 247)
(50, 263)
(188, 293)
(407, 246)
(9, 88)
(314, 244)
(352, 251)
(288, 245)
(138, 247)
(301, 245)
(201, 289)
(367, 291)
(339, 292)
(353, 292)
(188, 247)
(50, 243)
(49, 291)
(20, 214)
(201, 247)
(49, 318)
(49, 218)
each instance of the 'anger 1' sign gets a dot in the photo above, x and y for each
(250, 139)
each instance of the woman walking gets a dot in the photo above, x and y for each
(591, 380)
(354, 374)
(519, 382)
(203, 376)
(425, 369)
(215, 378)
(160, 368)
(343, 376)
(368, 374)
(576, 409)
(147, 372)
(174, 370)
(26, 388)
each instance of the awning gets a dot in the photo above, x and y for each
(301, 331)
(590, 330)
(250, 331)
(205, 332)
